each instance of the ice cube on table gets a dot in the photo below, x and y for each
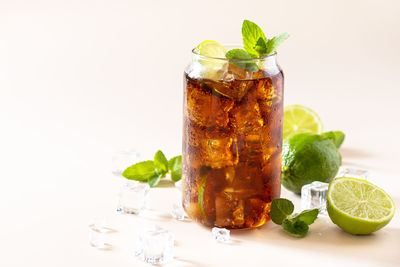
(155, 246)
(178, 213)
(97, 239)
(123, 159)
(314, 196)
(133, 197)
(354, 173)
(221, 234)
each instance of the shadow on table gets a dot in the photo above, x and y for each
(353, 153)
(325, 237)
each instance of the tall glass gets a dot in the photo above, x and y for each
(232, 140)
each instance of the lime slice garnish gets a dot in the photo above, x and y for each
(210, 48)
(300, 119)
(201, 197)
(212, 64)
(357, 206)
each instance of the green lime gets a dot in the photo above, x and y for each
(300, 119)
(210, 48)
(336, 136)
(213, 63)
(306, 158)
(357, 206)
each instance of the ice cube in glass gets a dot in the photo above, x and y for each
(155, 246)
(221, 234)
(123, 159)
(133, 197)
(314, 196)
(354, 173)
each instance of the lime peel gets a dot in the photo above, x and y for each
(300, 119)
(358, 206)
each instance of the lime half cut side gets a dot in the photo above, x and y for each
(357, 206)
(300, 119)
(213, 64)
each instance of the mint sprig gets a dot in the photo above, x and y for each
(297, 224)
(251, 34)
(255, 45)
(152, 171)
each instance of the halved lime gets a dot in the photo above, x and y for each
(213, 64)
(357, 206)
(300, 119)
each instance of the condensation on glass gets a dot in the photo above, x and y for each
(232, 140)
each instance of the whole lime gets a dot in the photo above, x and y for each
(306, 158)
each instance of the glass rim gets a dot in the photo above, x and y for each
(239, 59)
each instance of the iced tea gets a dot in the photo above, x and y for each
(232, 137)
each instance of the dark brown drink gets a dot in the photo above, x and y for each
(232, 136)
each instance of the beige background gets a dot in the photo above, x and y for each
(81, 79)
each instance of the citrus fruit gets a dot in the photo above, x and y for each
(300, 119)
(357, 206)
(306, 158)
(336, 136)
(210, 48)
(213, 65)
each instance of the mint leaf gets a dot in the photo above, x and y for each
(141, 171)
(307, 216)
(154, 180)
(336, 136)
(161, 162)
(295, 227)
(272, 44)
(237, 54)
(175, 166)
(261, 46)
(251, 33)
(238, 57)
(281, 208)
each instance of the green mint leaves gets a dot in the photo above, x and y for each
(175, 166)
(161, 162)
(297, 224)
(251, 34)
(281, 208)
(272, 44)
(239, 56)
(141, 171)
(295, 227)
(307, 216)
(255, 45)
(152, 171)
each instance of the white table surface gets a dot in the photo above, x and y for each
(82, 79)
